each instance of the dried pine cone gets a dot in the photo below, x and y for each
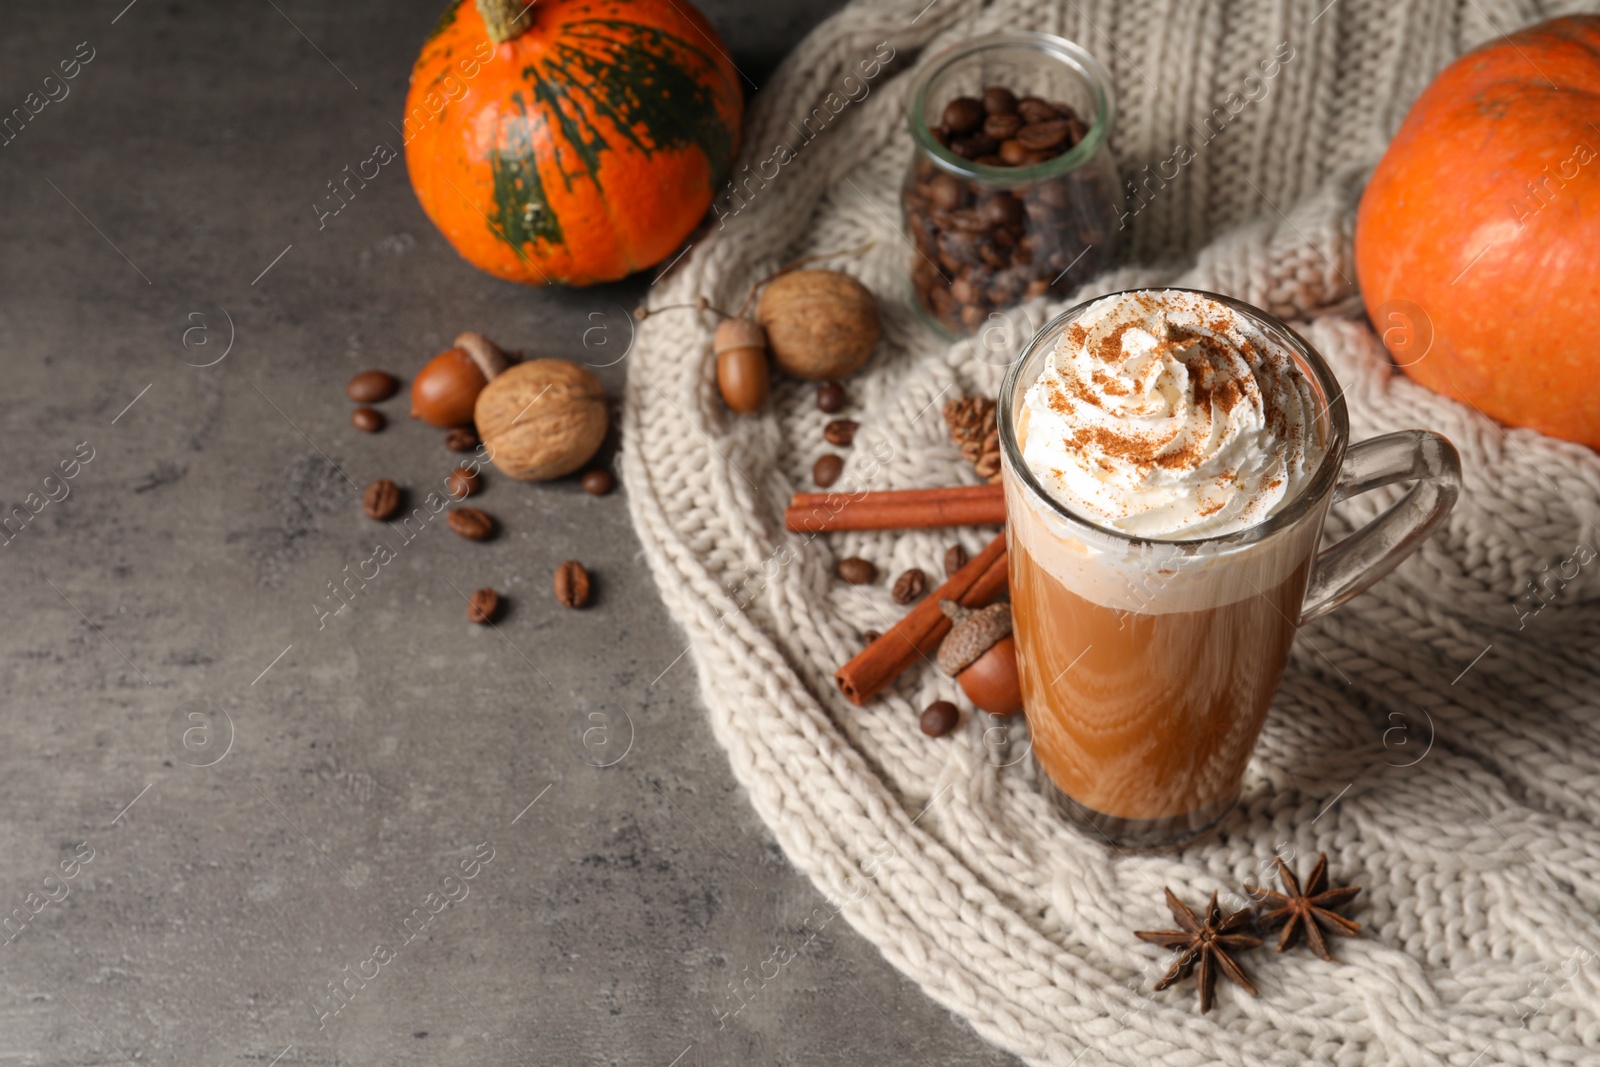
(970, 418)
(972, 427)
(988, 462)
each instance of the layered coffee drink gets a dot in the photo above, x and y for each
(1154, 596)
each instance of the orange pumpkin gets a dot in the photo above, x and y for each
(570, 141)
(1478, 237)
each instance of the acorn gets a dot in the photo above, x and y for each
(742, 374)
(980, 654)
(444, 391)
(744, 377)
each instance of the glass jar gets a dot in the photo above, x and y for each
(989, 235)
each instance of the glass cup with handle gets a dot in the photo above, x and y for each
(1148, 664)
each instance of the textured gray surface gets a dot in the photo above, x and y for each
(370, 757)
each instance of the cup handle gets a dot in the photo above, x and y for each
(1418, 456)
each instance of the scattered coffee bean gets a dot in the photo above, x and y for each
(483, 606)
(470, 523)
(939, 718)
(460, 439)
(381, 500)
(955, 557)
(597, 482)
(368, 420)
(462, 483)
(826, 470)
(856, 571)
(870, 636)
(830, 397)
(963, 115)
(572, 584)
(909, 586)
(841, 432)
(371, 386)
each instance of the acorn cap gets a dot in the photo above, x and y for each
(974, 633)
(490, 357)
(738, 333)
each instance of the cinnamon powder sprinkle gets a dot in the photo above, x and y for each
(1148, 429)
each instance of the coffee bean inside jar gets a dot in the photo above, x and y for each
(985, 240)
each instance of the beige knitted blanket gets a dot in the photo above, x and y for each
(1437, 736)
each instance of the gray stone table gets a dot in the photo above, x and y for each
(192, 898)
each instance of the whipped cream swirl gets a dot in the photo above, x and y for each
(1167, 414)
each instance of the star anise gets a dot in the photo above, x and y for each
(1203, 947)
(1308, 908)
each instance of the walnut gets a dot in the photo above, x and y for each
(542, 418)
(819, 323)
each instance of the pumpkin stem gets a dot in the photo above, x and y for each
(506, 19)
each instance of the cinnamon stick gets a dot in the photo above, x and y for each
(917, 635)
(902, 509)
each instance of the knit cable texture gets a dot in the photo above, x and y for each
(1437, 736)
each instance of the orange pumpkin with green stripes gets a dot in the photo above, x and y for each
(571, 141)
